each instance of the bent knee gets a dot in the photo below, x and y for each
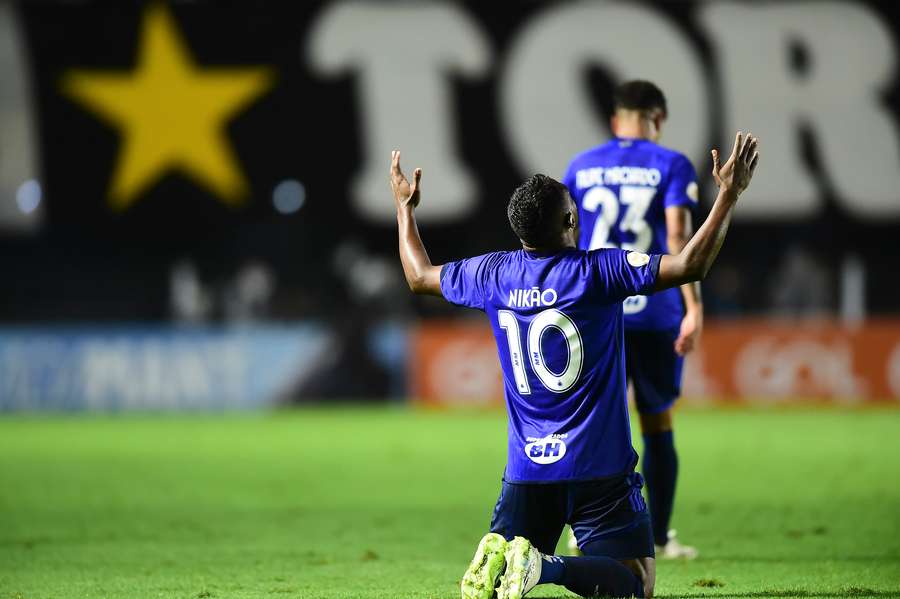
(656, 423)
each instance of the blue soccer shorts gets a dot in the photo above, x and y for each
(654, 368)
(608, 516)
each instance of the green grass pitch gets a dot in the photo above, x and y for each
(390, 503)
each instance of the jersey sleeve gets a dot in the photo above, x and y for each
(682, 189)
(462, 281)
(621, 273)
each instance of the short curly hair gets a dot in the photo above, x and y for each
(640, 95)
(532, 208)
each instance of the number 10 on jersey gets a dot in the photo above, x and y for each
(557, 382)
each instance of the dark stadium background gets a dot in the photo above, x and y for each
(77, 262)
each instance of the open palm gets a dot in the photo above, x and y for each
(738, 170)
(404, 193)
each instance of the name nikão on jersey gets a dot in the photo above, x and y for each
(531, 298)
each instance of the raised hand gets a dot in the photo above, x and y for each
(404, 193)
(736, 173)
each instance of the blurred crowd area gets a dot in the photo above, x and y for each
(198, 163)
(802, 285)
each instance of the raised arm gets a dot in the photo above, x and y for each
(421, 275)
(695, 259)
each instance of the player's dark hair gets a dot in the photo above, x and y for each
(640, 95)
(533, 207)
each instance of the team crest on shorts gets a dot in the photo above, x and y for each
(637, 259)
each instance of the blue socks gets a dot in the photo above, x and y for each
(660, 472)
(596, 576)
(591, 576)
(553, 569)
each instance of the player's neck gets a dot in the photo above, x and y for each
(636, 132)
(634, 126)
(563, 245)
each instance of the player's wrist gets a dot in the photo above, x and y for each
(405, 210)
(729, 193)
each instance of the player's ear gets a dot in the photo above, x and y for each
(658, 121)
(570, 220)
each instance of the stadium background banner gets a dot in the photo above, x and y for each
(143, 368)
(272, 107)
(160, 159)
(760, 362)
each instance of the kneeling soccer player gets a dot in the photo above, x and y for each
(556, 312)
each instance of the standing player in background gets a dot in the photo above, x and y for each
(636, 195)
(556, 314)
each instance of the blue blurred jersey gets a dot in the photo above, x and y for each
(622, 189)
(557, 320)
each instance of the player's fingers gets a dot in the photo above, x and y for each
(417, 176)
(748, 139)
(395, 162)
(754, 162)
(749, 148)
(717, 167)
(393, 170)
(738, 140)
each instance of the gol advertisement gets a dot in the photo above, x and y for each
(765, 362)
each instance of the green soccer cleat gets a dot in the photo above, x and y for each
(523, 569)
(480, 580)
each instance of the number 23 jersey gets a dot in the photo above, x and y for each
(557, 321)
(622, 189)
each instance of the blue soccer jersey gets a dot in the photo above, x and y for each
(557, 320)
(622, 189)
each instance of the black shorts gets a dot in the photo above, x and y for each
(608, 516)
(654, 368)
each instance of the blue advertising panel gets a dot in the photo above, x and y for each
(152, 368)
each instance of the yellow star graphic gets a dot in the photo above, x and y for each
(171, 112)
